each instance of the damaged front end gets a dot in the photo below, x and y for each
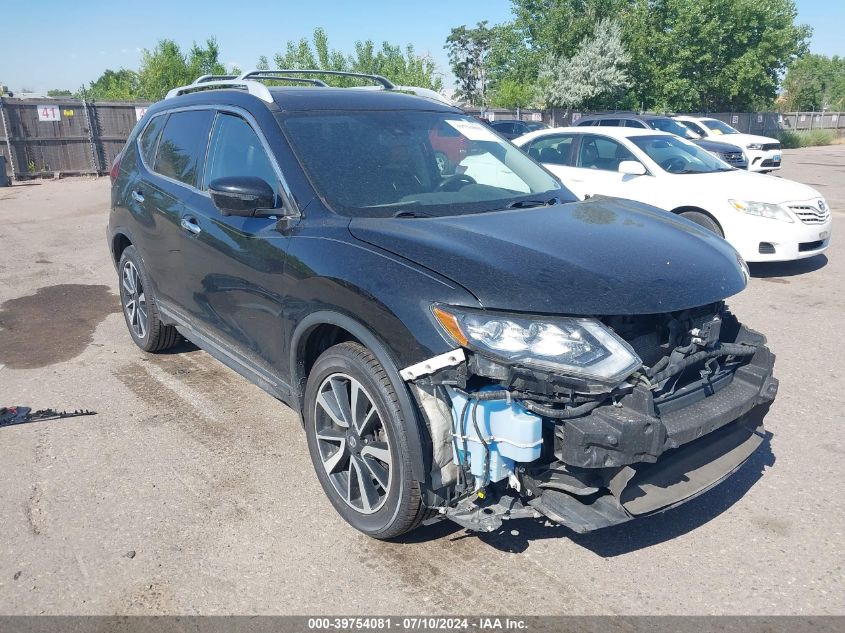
(588, 422)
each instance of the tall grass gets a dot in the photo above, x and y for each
(807, 138)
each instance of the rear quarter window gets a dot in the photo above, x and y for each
(181, 148)
(148, 141)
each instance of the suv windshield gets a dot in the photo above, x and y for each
(673, 127)
(386, 163)
(679, 157)
(719, 127)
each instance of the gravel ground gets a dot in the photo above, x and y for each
(191, 490)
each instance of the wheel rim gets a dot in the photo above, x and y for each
(352, 443)
(134, 300)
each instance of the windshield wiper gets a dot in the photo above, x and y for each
(411, 213)
(527, 204)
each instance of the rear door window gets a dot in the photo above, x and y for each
(181, 149)
(610, 123)
(554, 150)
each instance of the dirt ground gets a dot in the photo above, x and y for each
(191, 490)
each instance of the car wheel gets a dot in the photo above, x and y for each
(139, 306)
(702, 219)
(356, 438)
(444, 165)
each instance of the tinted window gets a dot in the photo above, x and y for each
(181, 150)
(505, 127)
(598, 152)
(635, 123)
(585, 122)
(149, 138)
(610, 122)
(236, 150)
(555, 149)
(695, 127)
(672, 126)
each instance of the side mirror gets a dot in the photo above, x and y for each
(241, 195)
(632, 168)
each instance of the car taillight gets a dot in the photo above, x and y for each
(115, 167)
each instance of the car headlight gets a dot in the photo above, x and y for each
(762, 209)
(579, 347)
(755, 146)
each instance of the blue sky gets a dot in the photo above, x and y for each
(61, 44)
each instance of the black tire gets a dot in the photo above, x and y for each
(398, 507)
(153, 336)
(703, 220)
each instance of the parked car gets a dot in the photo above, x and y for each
(450, 147)
(765, 218)
(764, 153)
(456, 348)
(731, 154)
(511, 128)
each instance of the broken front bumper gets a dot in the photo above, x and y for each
(638, 457)
(646, 456)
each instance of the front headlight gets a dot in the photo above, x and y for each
(762, 209)
(579, 347)
(755, 146)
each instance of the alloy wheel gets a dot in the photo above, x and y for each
(353, 443)
(134, 300)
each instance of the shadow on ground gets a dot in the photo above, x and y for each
(765, 270)
(516, 536)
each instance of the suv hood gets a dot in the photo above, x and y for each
(603, 256)
(717, 146)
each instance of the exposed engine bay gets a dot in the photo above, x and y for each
(512, 441)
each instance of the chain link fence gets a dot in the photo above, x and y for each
(58, 137)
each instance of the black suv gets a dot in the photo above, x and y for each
(474, 345)
(731, 154)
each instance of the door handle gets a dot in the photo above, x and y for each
(190, 225)
(137, 196)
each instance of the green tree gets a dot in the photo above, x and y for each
(112, 85)
(166, 67)
(711, 54)
(595, 73)
(59, 93)
(513, 94)
(401, 66)
(815, 82)
(469, 52)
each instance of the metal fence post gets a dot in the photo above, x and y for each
(95, 164)
(8, 138)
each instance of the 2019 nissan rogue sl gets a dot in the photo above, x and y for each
(471, 347)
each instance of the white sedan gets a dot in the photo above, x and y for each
(765, 218)
(764, 153)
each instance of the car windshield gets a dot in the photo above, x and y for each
(400, 162)
(679, 157)
(533, 126)
(719, 127)
(673, 127)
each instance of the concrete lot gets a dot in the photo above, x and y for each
(191, 490)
